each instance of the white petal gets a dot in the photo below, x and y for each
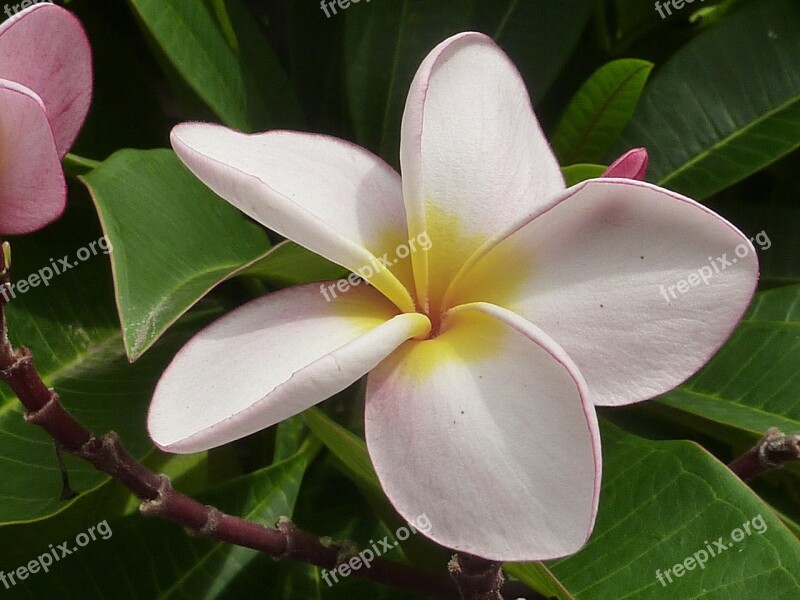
(271, 359)
(326, 194)
(472, 153)
(488, 432)
(600, 271)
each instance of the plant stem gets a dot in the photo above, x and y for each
(774, 450)
(75, 165)
(477, 578)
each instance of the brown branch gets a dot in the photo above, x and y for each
(476, 578)
(774, 450)
(107, 454)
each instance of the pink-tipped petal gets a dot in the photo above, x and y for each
(631, 165)
(324, 193)
(488, 432)
(271, 359)
(32, 188)
(472, 153)
(45, 49)
(639, 285)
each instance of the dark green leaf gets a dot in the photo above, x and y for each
(384, 45)
(230, 84)
(726, 105)
(661, 504)
(598, 113)
(538, 35)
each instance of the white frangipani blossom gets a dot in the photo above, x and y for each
(487, 354)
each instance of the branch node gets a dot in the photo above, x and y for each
(22, 357)
(37, 417)
(287, 527)
(209, 527)
(347, 550)
(476, 578)
(776, 449)
(158, 505)
(107, 446)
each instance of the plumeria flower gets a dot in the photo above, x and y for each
(45, 91)
(488, 353)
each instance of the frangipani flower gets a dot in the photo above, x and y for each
(45, 91)
(486, 354)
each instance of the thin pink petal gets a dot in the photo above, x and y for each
(271, 359)
(45, 48)
(597, 274)
(469, 430)
(32, 188)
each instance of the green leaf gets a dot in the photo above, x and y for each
(539, 578)
(172, 564)
(71, 327)
(224, 20)
(752, 383)
(599, 111)
(348, 448)
(385, 42)
(288, 264)
(538, 35)
(128, 108)
(316, 56)
(289, 437)
(726, 105)
(173, 239)
(772, 216)
(661, 504)
(576, 173)
(273, 103)
(231, 85)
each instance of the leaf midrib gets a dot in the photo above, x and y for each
(706, 152)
